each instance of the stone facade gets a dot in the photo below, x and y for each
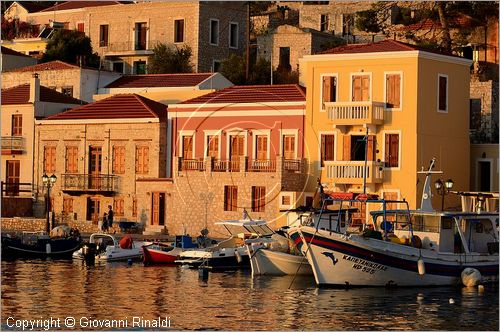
(484, 111)
(158, 18)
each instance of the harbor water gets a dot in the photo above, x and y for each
(93, 295)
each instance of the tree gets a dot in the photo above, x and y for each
(233, 68)
(169, 59)
(71, 46)
(432, 22)
(17, 29)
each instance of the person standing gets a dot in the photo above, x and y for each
(110, 217)
(104, 225)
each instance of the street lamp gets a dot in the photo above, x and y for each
(443, 188)
(207, 198)
(49, 182)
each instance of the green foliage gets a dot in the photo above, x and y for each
(260, 73)
(366, 20)
(233, 68)
(169, 59)
(70, 46)
(286, 77)
(336, 41)
(17, 29)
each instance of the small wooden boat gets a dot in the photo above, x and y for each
(61, 243)
(161, 253)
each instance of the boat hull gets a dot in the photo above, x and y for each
(338, 260)
(41, 248)
(155, 255)
(268, 262)
(219, 263)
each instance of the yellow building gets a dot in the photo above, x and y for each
(412, 103)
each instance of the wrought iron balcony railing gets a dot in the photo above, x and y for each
(89, 183)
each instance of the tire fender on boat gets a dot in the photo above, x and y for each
(421, 266)
(238, 256)
(48, 248)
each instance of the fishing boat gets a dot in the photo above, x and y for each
(400, 247)
(230, 253)
(161, 253)
(105, 248)
(61, 242)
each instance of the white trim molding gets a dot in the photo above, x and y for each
(447, 89)
(400, 108)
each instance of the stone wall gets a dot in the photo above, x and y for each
(486, 130)
(17, 207)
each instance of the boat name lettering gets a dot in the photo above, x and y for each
(361, 264)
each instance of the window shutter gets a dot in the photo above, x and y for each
(365, 88)
(261, 147)
(146, 159)
(387, 156)
(397, 91)
(371, 147)
(394, 158)
(323, 149)
(234, 201)
(356, 88)
(347, 147)
(330, 147)
(326, 89)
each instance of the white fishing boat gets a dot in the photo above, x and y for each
(404, 248)
(230, 253)
(105, 248)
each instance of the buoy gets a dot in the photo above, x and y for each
(421, 266)
(48, 248)
(420, 297)
(471, 277)
(452, 301)
(129, 261)
(480, 288)
(238, 256)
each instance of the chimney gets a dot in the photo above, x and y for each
(34, 88)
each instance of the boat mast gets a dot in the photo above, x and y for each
(366, 161)
(426, 203)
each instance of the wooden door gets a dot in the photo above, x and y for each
(158, 209)
(261, 145)
(289, 146)
(187, 147)
(95, 153)
(12, 176)
(237, 147)
(93, 209)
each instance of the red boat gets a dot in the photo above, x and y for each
(161, 253)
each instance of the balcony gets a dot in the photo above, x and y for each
(261, 165)
(12, 145)
(128, 48)
(225, 165)
(241, 165)
(86, 183)
(352, 172)
(355, 113)
(191, 164)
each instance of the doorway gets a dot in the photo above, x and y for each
(95, 153)
(93, 209)
(158, 209)
(483, 180)
(12, 176)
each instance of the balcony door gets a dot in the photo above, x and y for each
(237, 148)
(12, 176)
(93, 209)
(140, 35)
(95, 158)
(357, 148)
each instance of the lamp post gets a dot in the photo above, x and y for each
(49, 182)
(207, 198)
(443, 188)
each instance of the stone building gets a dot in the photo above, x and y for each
(69, 79)
(99, 152)
(21, 105)
(125, 34)
(236, 149)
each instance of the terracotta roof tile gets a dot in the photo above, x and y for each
(121, 106)
(21, 94)
(79, 4)
(253, 94)
(387, 45)
(6, 50)
(51, 65)
(159, 80)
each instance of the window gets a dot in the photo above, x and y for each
(285, 200)
(67, 205)
(49, 159)
(80, 27)
(139, 67)
(475, 114)
(213, 146)
(261, 147)
(230, 198)
(233, 35)
(118, 207)
(360, 146)
(237, 146)
(187, 147)
(142, 160)
(327, 148)
(140, 36)
(329, 90)
(118, 67)
(324, 22)
(347, 22)
(134, 207)
(214, 32)
(178, 31)
(393, 90)
(442, 93)
(103, 35)
(360, 88)
(391, 150)
(118, 159)
(67, 90)
(289, 146)
(258, 199)
(71, 159)
(17, 125)
(284, 63)
(216, 66)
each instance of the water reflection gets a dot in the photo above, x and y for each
(233, 300)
